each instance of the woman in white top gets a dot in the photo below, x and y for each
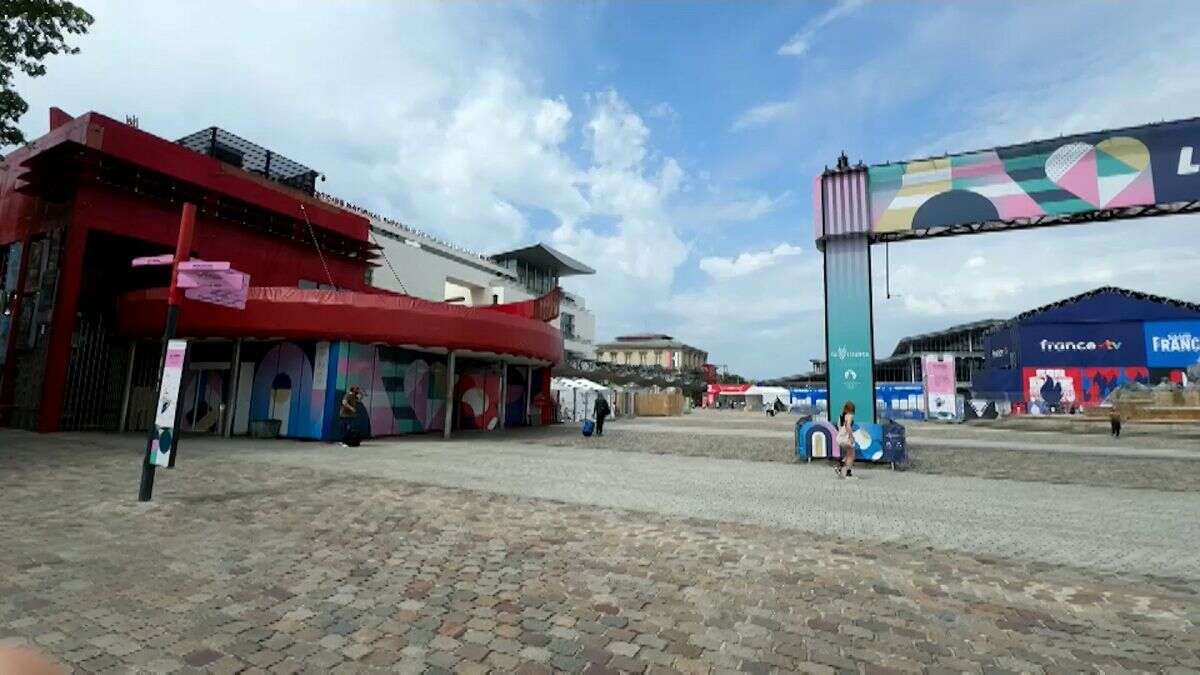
(845, 441)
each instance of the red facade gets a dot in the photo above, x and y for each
(77, 204)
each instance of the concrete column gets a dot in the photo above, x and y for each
(235, 379)
(528, 394)
(449, 397)
(128, 386)
(503, 394)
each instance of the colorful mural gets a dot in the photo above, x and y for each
(477, 392)
(817, 439)
(202, 413)
(403, 391)
(514, 410)
(1086, 173)
(283, 390)
(1052, 389)
(1098, 383)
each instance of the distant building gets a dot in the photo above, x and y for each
(1073, 353)
(965, 342)
(653, 349)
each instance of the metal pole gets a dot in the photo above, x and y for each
(128, 386)
(236, 375)
(528, 394)
(449, 397)
(187, 222)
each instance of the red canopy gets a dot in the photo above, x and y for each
(303, 314)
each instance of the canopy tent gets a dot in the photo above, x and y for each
(758, 397)
(576, 397)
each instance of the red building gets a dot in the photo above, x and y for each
(79, 326)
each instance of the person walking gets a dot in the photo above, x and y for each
(602, 411)
(1114, 419)
(347, 412)
(845, 441)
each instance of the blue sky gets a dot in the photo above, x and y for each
(671, 145)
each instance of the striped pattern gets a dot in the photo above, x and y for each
(844, 207)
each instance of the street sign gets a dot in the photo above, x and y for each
(163, 441)
(165, 259)
(197, 265)
(227, 288)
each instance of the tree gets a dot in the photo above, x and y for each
(31, 30)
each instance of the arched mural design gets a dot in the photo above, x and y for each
(283, 391)
(477, 392)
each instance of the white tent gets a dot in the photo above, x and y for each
(576, 397)
(758, 398)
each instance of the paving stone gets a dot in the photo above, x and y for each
(270, 568)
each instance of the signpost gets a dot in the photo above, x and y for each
(204, 280)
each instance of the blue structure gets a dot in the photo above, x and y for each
(892, 401)
(1075, 352)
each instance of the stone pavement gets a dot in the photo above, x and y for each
(1110, 529)
(251, 566)
(1130, 468)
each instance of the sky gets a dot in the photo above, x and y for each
(670, 145)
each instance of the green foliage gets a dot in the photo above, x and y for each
(31, 30)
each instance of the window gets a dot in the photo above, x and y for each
(495, 298)
(567, 322)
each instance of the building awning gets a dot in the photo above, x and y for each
(373, 318)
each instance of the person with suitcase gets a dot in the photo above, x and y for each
(602, 411)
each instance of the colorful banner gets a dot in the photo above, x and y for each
(938, 373)
(1172, 344)
(1100, 344)
(1139, 166)
(168, 404)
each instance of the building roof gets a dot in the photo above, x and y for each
(646, 342)
(1107, 304)
(983, 325)
(544, 257)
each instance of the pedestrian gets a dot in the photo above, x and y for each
(347, 412)
(1114, 420)
(602, 410)
(845, 441)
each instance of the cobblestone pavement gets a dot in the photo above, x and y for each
(257, 567)
(946, 457)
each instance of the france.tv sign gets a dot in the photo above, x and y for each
(1105, 344)
(1172, 344)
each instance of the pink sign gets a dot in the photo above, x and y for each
(165, 259)
(203, 278)
(227, 288)
(940, 387)
(198, 265)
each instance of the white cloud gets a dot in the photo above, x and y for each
(763, 114)
(663, 110)
(799, 43)
(746, 263)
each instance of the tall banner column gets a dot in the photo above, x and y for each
(849, 330)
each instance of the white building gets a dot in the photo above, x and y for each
(424, 266)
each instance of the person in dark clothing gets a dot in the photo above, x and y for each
(1114, 419)
(602, 410)
(346, 412)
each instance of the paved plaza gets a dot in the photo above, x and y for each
(515, 554)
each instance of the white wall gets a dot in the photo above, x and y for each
(435, 271)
